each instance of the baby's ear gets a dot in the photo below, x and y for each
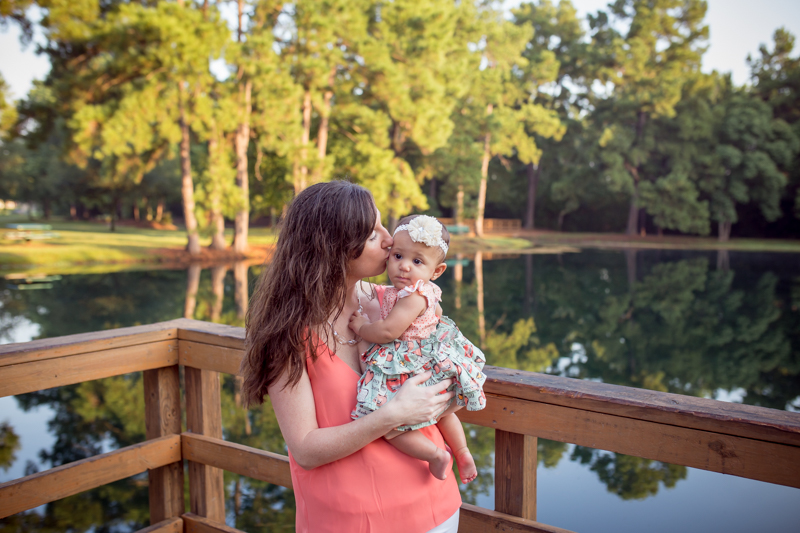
(439, 270)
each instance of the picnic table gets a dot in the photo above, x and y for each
(29, 232)
(459, 229)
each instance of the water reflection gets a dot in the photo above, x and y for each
(687, 323)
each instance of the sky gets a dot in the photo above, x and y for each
(737, 28)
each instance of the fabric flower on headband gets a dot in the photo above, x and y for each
(425, 229)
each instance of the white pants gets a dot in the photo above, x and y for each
(448, 526)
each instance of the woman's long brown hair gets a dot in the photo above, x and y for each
(325, 227)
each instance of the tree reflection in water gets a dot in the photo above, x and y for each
(689, 324)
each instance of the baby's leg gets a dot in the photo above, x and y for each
(453, 434)
(417, 445)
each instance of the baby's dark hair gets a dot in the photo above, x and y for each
(445, 233)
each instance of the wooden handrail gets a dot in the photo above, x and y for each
(170, 525)
(32, 491)
(237, 458)
(741, 440)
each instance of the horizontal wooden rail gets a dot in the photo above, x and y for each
(37, 489)
(170, 525)
(199, 524)
(474, 519)
(81, 343)
(738, 456)
(251, 462)
(274, 468)
(44, 374)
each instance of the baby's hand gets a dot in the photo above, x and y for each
(357, 320)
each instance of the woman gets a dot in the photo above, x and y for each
(301, 352)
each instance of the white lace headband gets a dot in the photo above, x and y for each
(425, 229)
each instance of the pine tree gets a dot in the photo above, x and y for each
(661, 47)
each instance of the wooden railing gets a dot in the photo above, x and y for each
(740, 440)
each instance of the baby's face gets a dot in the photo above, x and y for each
(410, 261)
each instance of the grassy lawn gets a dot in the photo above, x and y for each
(88, 243)
(671, 242)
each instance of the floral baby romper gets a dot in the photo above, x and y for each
(429, 343)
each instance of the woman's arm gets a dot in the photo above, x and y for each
(405, 311)
(313, 446)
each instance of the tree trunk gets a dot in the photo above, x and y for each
(187, 186)
(433, 192)
(136, 211)
(487, 155)
(302, 177)
(217, 220)
(724, 231)
(160, 210)
(459, 214)
(242, 141)
(47, 207)
(561, 216)
(533, 181)
(633, 211)
(391, 222)
(322, 133)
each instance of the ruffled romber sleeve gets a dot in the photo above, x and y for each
(430, 291)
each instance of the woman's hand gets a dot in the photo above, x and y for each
(414, 404)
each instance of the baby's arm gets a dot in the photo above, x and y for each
(400, 318)
(439, 311)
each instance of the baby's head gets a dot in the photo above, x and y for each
(420, 246)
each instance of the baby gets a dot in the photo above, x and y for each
(413, 337)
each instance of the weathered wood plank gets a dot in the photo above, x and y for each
(53, 348)
(475, 519)
(208, 333)
(210, 357)
(204, 417)
(162, 405)
(675, 409)
(727, 454)
(35, 490)
(197, 524)
(39, 375)
(515, 474)
(170, 525)
(237, 458)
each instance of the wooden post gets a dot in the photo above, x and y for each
(515, 474)
(162, 404)
(204, 417)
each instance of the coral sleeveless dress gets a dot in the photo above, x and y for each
(377, 489)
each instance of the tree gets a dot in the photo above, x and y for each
(122, 74)
(559, 63)
(753, 154)
(776, 80)
(661, 47)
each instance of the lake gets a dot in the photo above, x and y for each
(716, 325)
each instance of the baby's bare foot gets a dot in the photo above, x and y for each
(467, 470)
(441, 464)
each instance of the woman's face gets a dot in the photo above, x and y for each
(372, 260)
